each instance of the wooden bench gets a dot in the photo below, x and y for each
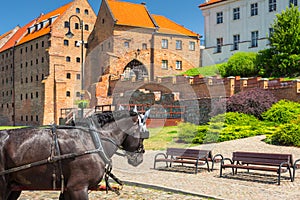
(194, 157)
(272, 162)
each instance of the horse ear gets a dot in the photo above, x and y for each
(121, 107)
(147, 113)
(135, 109)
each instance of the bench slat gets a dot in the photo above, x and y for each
(260, 161)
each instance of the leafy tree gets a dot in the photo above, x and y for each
(283, 58)
(240, 64)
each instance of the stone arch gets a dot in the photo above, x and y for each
(135, 68)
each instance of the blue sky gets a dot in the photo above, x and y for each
(20, 12)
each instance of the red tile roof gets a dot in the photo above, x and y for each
(137, 15)
(22, 35)
(210, 2)
(130, 14)
(168, 26)
(45, 30)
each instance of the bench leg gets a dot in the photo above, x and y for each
(208, 166)
(221, 169)
(294, 173)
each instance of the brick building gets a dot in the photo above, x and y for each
(130, 43)
(40, 68)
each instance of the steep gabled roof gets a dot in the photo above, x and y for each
(210, 2)
(47, 27)
(137, 15)
(16, 37)
(130, 14)
(168, 26)
(37, 30)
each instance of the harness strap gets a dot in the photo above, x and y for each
(57, 151)
(98, 144)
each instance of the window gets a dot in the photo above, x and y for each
(68, 59)
(294, 2)
(236, 41)
(178, 64)
(254, 9)
(67, 25)
(272, 5)
(236, 13)
(43, 43)
(144, 46)
(271, 31)
(86, 27)
(66, 42)
(164, 64)
(78, 59)
(164, 43)
(68, 93)
(78, 76)
(219, 45)
(76, 26)
(126, 44)
(192, 46)
(178, 44)
(68, 75)
(37, 94)
(77, 10)
(77, 94)
(254, 39)
(36, 45)
(219, 17)
(86, 11)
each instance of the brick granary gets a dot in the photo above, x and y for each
(130, 43)
(40, 68)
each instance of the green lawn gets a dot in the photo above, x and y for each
(161, 138)
(10, 127)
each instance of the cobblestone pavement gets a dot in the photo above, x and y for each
(128, 192)
(206, 184)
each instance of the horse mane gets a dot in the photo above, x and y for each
(108, 117)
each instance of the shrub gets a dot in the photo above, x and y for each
(282, 112)
(187, 132)
(234, 118)
(251, 102)
(287, 134)
(240, 64)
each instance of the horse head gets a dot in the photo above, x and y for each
(133, 143)
(128, 130)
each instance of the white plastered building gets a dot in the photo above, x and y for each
(238, 25)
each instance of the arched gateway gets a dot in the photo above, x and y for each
(135, 68)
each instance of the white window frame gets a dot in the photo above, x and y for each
(219, 17)
(254, 39)
(178, 65)
(164, 64)
(236, 41)
(272, 5)
(164, 43)
(294, 2)
(236, 13)
(178, 44)
(219, 45)
(254, 9)
(192, 46)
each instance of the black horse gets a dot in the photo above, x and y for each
(72, 159)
